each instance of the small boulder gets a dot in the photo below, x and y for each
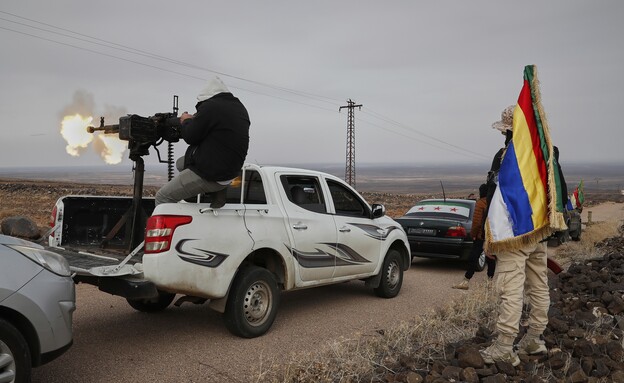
(21, 227)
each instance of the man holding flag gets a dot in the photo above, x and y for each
(526, 208)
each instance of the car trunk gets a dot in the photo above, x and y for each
(430, 237)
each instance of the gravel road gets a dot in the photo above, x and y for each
(113, 342)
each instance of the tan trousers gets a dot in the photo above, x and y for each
(522, 272)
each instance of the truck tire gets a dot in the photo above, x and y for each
(391, 275)
(152, 305)
(252, 302)
(15, 362)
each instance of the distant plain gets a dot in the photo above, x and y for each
(380, 178)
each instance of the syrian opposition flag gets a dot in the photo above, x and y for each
(527, 205)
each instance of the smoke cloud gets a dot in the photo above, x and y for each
(80, 114)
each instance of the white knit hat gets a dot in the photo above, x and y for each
(506, 121)
(214, 86)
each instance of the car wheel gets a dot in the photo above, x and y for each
(252, 302)
(481, 262)
(391, 275)
(154, 304)
(15, 363)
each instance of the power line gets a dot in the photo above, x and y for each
(160, 68)
(475, 156)
(112, 45)
(411, 129)
(139, 52)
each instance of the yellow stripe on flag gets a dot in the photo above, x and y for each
(529, 171)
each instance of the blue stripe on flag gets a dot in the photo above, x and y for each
(569, 204)
(514, 194)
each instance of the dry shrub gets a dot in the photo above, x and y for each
(586, 247)
(368, 357)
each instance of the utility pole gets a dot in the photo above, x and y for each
(350, 166)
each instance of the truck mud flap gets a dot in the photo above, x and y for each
(130, 288)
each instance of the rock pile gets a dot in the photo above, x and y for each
(584, 335)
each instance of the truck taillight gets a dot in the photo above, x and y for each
(159, 231)
(456, 231)
(53, 219)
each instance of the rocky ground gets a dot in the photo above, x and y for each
(584, 336)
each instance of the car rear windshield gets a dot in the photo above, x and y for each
(448, 210)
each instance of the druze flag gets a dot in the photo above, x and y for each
(577, 198)
(527, 205)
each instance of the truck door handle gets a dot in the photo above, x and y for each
(300, 226)
(344, 229)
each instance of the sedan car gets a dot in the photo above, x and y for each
(440, 228)
(37, 301)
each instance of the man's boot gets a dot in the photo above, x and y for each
(218, 198)
(500, 351)
(463, 285)
(531, 344)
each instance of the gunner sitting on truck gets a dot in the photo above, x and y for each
(218, 138)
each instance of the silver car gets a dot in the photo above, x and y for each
(37, 300)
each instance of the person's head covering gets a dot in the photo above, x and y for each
(214, 86)
(506, 121)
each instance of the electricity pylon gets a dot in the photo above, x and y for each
(350, 166)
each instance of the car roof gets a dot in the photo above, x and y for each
(456, 200)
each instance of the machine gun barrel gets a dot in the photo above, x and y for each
(106, 129)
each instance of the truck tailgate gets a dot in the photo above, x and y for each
(127, 282)
(85, 260)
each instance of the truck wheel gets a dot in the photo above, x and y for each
(15, 363)
(391, 275)
(154, 304)
(252, 303)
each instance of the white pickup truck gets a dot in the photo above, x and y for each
(281, 229)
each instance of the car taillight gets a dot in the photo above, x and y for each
(456, 231)
(159, 231)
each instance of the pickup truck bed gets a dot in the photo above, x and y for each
(128, 285)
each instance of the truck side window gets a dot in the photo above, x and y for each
(254, 189)
(346, 202)
(304, 191)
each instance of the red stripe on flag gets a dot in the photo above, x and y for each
(526, 104)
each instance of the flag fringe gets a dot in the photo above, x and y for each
(515, 243)
(557, 221)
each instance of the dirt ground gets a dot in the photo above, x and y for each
(604, 212)
(35, 199)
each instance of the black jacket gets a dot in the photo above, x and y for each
(218, 136)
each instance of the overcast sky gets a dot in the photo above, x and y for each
(432, 76)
